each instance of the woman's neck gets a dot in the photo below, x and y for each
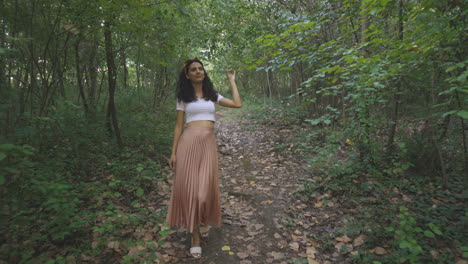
(197, 87)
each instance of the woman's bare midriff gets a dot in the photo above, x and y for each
(202, 123)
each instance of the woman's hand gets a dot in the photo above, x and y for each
(172, 162)
(230, 74)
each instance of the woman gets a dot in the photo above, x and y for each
(195, 198)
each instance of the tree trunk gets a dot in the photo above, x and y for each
(364, 148)
(123, 63)
(138, 69)
(79, 76)
(92, 72)
(396, 97)
(112, 77)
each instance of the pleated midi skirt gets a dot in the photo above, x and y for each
(195, 197)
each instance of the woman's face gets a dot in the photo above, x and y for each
(195, 72)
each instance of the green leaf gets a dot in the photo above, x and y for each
(11, 170)
(7, 146)
(404, 244)
(2, 156)
(435, 229)
(429, 234)
(463, 114)
(165, 233)
(314, 121)
(140, 192)
(2, 179)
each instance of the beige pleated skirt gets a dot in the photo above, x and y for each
(195, 198)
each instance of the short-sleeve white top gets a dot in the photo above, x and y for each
(200, 109)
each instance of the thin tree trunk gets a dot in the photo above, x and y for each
(138, 69)
(79, 76)
(364, 149)
(112, 77)
(464, 135)
(396, 97)
(93, 73)
(123, 63)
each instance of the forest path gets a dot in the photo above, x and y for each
(262, 220)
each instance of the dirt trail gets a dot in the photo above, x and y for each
(263, 221)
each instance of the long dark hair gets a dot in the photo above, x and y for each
(185, 91)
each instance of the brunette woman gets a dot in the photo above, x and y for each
(195, 198)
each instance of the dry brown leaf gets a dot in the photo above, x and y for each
(380, 251)
(358, 241)
(294, 246)
(253, 233)
(406, 198)
(171, 252)
(277, 255)
(344, 239)
(242, 255)
(434, 254)
(258, 226)
(147, 236)
(113, 244)
(310, 251)
(282, 244)
(135, 250)
(277, 236)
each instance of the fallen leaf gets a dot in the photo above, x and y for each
(380, 251)
(242, 255)
(358, 241)
(113, 244)
(406, 198)
(135, 250)
(344, 238)
(277, 236)
(294, 246)
(225, 248)
(277, 255)
(253, 233)
(311, 251)
(434, 254)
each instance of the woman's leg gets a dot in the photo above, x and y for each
(196, 241)
(196, 238)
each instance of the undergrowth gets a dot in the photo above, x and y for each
(68, 193)
(413, 214)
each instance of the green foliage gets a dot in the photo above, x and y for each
(74, 180)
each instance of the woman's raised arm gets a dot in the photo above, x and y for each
(236, 101)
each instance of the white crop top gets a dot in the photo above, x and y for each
(200, 109)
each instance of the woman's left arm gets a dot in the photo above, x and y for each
(236, 101)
